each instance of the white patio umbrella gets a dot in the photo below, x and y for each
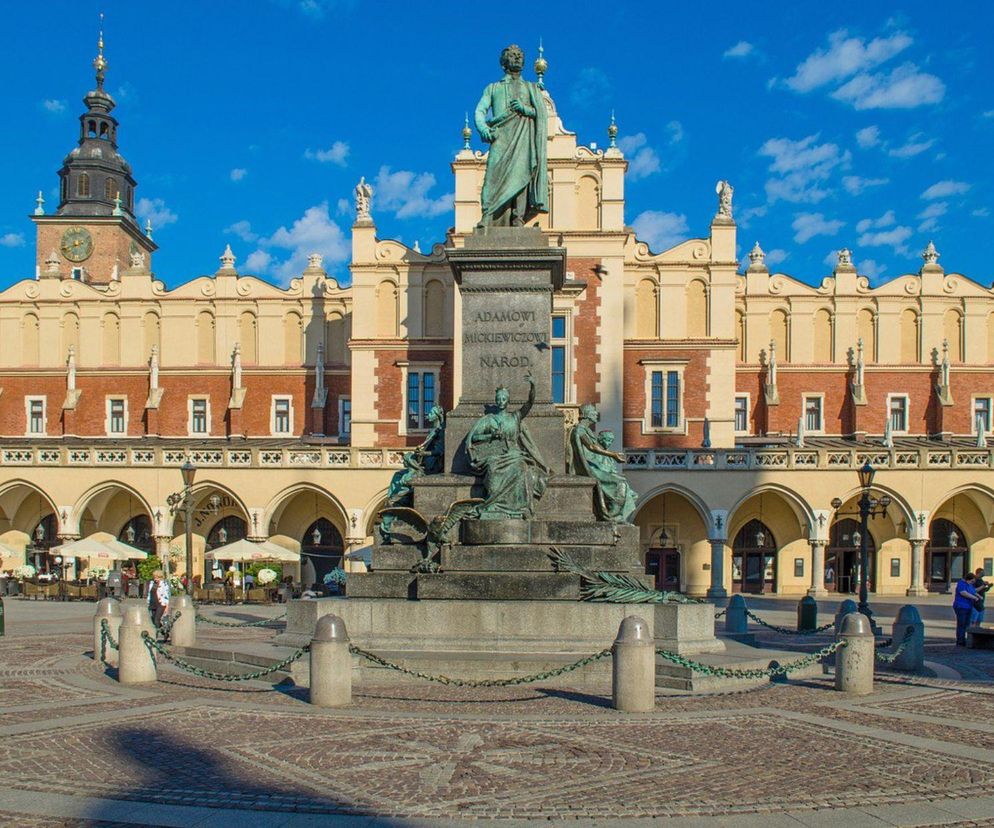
(95, 547)
(246, 550)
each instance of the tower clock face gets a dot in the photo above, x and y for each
(77, 244)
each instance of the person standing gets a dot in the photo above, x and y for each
(158, 597)
(964, 603)
(982, 587)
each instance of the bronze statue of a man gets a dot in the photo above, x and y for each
(516, 184)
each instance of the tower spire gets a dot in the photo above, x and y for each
(100, 62)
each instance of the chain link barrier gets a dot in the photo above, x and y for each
(720, 614)
(766, 672)
(106, 639)
(260, 623)
(787, 630)
(440, 679)
(154, 647)
(167, 621)
(890, 658)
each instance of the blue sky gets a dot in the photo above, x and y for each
(865, 125)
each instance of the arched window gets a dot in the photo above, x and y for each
(945, 556)
(110, 189)
(588, 207)
(152, 330)
(322, 548)
(434, 308)
(740, 336)
(754, 559)
(386, 309)
(137, 532)
(291, 339)
(952, 330)
(697, 309)
(70, 334)
(842, 557)
(646, 310)
(823, 336)
(247, 327)
(111, 354)
(29, 339)
(780, 334)
(990, 337)
(866, 329)
(83, 185)
(336, 336)
(227, 530)
(205, 338)
(909, 337)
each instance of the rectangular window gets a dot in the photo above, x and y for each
(344, 417)
(982, 414)
(672, 399)
(812, 414)
(421, 396)
(898, 412)
(36, 415)
(117, 416)
(742, 414)
(559, 353)
(657, 399)
(199, 416)
(282, 415)
(665, 398)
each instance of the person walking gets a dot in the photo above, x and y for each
(982, 587)
(158, 597)
(963, 605)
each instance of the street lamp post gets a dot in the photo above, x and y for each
(868, 507)
(184, 501)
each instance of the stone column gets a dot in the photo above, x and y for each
(162, 551)
(917, 587)
(817, 568)
(717, 588)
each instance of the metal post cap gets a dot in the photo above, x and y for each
(108, 608)
(847, 606)
(633, 630)
(330, 628)
(855, 623)
(180, 602)
(736, 601)
(134, 616)
(808, 599)
(908, 614)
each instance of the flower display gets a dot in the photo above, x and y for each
(336, 576)
(265, 576)
(25, 571)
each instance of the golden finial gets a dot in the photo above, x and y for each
(99, 62)
(541, 65)
(612, 131)
(467, 133)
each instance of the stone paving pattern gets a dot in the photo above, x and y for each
(436, 753)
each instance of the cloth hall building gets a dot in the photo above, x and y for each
(745, 400)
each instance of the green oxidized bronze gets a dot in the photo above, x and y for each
(590, 455)
(516, 185)
(431, 535)
(427, 458)
(503, 453)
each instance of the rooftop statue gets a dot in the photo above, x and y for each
(515, 187)
(426, 458)
(502, 452)
(590, 455)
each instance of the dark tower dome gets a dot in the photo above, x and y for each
(94, 175)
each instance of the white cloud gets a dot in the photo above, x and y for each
(744, 217)
(988, 114)
(981, 212)
(871, 269)
(342, 207)
(930, 216)
(258, 261)
(591, 87)
(944, 189)
(844, 57)
(405, 193)
(337, 153)
(886, 220)
(156, 211)
(740, 50)
(642, 161)
(12, 240)
(56, 107)
(675, 131)
(808, 225)
(894, 238)
(243, 230)
(660, 230)
(855, 184)
(775, 256)
(801, 168)
(903, 88)
(868, 137)
(238, 173)
(915, 145)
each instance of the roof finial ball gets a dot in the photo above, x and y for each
(541, 65)
(467, 133)
(99, 62)
(612, 131)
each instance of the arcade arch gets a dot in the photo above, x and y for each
(673, 536)
(768, 529)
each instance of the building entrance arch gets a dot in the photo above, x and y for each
(754, 559)
(842, 558)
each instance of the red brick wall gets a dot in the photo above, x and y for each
(111, 244)
(586, 330)
(13, 418)
(390, 392)
(695, 391)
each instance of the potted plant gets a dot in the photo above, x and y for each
(335, 580)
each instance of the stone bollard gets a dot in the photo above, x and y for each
(854, 662)
(736, 620)
(331, 663)
(183, 632)
(807, 614)
(108, 610)
(633, 674)
(135, 662)
(912, 657)
(846, 607)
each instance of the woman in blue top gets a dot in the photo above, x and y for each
(963, 603)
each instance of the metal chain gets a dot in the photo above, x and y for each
(105, 639)
(167, 621)
(787, 630)
(890, 658)
(768, 672)
(576, 665)
(154, 646)
(260, 623)
(720, 614)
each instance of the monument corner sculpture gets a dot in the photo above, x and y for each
(427, 458)
(589, 455)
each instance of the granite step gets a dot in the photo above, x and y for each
(505, 557)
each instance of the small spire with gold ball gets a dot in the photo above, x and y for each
(541, 65)
(467, 133)
(100, 62)
(612, 131)
(40, 202)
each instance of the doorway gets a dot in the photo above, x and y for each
(842, 558)
(664, 565)
(754, 559)
(945, 556)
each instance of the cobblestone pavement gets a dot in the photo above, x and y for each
(79, 749)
